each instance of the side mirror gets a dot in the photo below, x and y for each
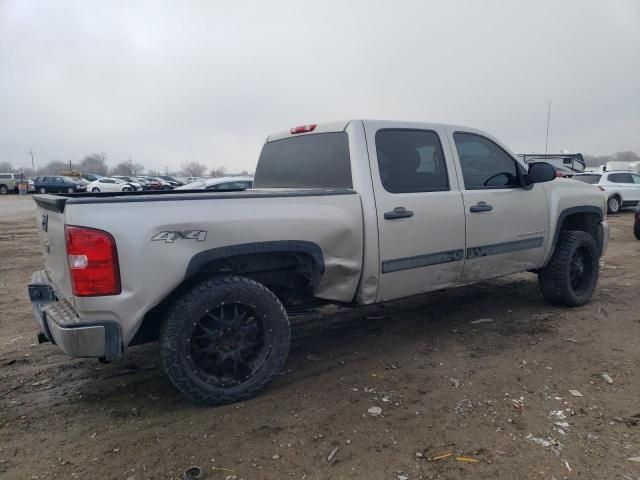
(540, 172)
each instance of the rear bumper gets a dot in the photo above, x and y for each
(59, 322)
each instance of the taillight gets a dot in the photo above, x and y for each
(303, 129)
(93, 262)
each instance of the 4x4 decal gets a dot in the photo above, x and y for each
(172, 236)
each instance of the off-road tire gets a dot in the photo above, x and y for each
(3, 190)
(555, 278)
(614, 204)
(193, 305)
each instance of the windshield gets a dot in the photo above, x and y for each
(593, 179)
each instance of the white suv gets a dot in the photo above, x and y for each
(622, 188)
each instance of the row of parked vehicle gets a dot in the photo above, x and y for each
(118, 183)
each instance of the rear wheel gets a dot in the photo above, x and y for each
(636, 226)
(70, 190)
(614, 204)
(43, 190)
(126, 189)
(224, 340)
(571, 275)
(3, 190)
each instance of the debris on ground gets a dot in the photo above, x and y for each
(467, 459)
(481, 320)
(634, 459)
(193, 473)
(607, 378)
(375, 411)
(441, 456)
(575, 393)
(332, 455)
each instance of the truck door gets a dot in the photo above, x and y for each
(507, 226)
(419, 209)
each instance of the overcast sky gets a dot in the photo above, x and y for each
(171, 82)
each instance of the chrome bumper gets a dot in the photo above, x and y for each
(60, 323)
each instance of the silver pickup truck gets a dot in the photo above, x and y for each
(351, 213)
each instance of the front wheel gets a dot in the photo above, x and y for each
(43, 190)
(636, 227)
(70, 190)
(224, 340)
(95, 190)
(614, 204)
(571, 275)
(3, 190)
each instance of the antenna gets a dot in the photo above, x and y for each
(546, 141)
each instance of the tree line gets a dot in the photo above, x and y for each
(596, 161)
(96, 163)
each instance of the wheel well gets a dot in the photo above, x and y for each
(290, 275)
(586, 222)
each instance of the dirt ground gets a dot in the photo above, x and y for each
(497, 391)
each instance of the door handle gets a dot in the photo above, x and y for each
(481, 207)
(398, 212)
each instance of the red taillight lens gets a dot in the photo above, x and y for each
(303, 129)
(93, 262)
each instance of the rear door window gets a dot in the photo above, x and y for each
(308, 161)
(620, 178)
(411, 161)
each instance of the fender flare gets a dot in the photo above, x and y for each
(277, 246)
(563, 215)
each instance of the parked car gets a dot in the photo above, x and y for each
(173, 181)
(9, 182)
(636, 223)
(133, 181)
(108, 184)
(353, 213)
(222, 183)
(31, 186)
(622, 188)
(156, 183)
(58, 184)
(92, 177)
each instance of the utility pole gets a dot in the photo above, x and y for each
(130, 166)
(33, 165)
(546, 142)
(70, 167)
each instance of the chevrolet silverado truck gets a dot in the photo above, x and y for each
(350, 213)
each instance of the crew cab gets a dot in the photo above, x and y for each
(351, 213)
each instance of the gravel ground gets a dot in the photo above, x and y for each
(496, 393)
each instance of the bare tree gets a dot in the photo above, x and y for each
(218, 172)
(94, 163)
(6, 167)
(194, 169)
(54, 167)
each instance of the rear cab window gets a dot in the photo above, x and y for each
(319, 160)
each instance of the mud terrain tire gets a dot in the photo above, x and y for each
(224, 340)
(571, 275)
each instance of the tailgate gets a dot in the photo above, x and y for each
(50, 218)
